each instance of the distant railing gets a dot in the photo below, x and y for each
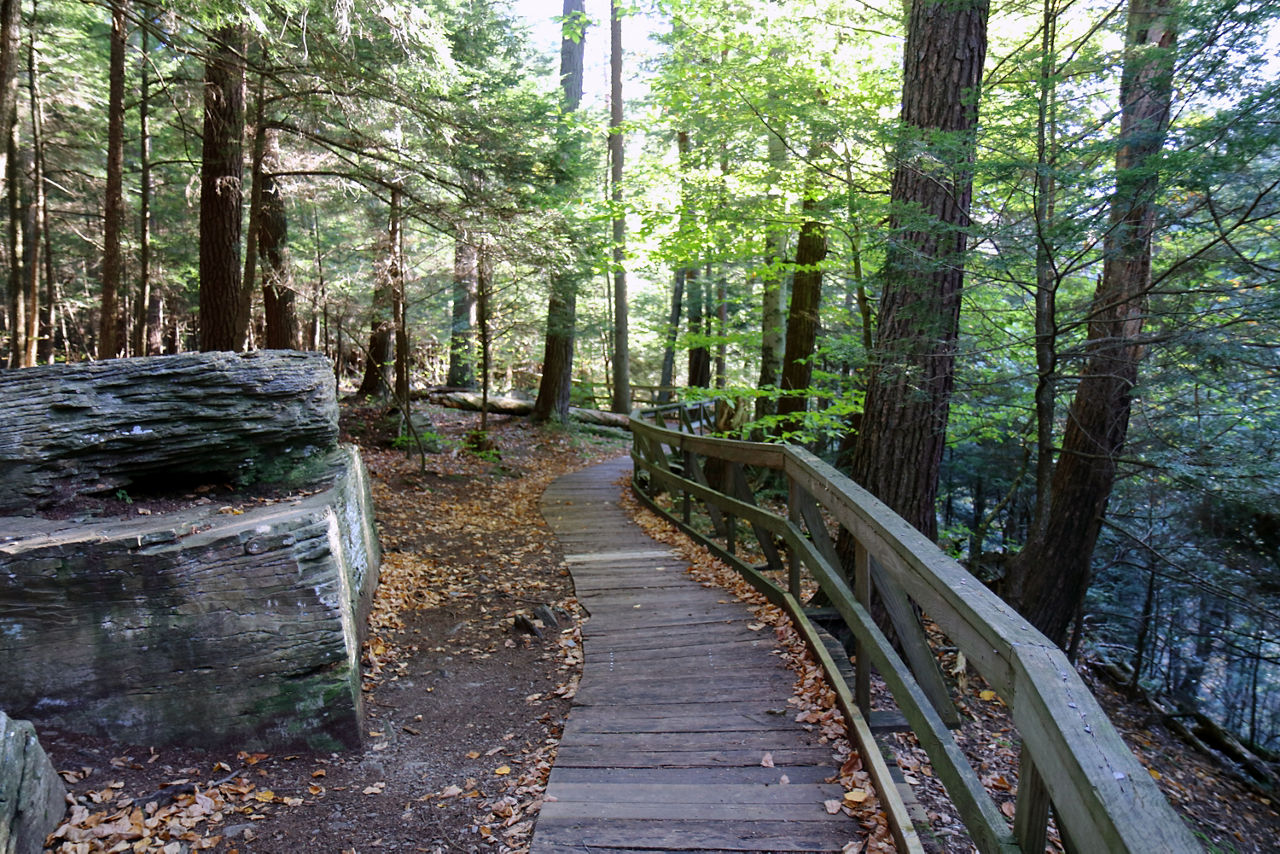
(599, 395)
(1071, 756)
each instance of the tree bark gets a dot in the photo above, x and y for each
(562, 306)
(279, 302)
(898, 451)
(669, 338)
(1049, 578)
(699, 355)
(621, 344)
(113, 201)
(462, 335)
(773, 287)
(146, 334)
(802, 322)
(10, 45)
(381, 378)
(221, 190)
(17, 297)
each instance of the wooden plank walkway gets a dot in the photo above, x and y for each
(679, 704)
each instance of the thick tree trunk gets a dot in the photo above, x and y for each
(562, 306)
(1049, 578)
(146, 336)
(899, 445)
(13, 235)
(395, 274)
(279, 300)
(773, 288)
(221, 190)
(10, 45)
(669, 339)
(621, 343)
(462, 335)
(113, 202)
(802, 322)
(700, 355)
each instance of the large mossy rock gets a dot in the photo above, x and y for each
(32, 797)
(96, 427)
(199, 628)
(206, 625)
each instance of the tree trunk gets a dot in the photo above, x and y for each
(146, 337)
(221, 190)
(462, 344)
(279, 301)
(669, 339)
(249, 281)
(699, 355)
(395, 272)
(10, 45)
(380, 377)
(1046, 273)
(17, 301)
(31, 261)
(1049, 578)
(621, 345)
(802, 322)
(899, 446)
(113, 202)
(562, 306)
(773, 290)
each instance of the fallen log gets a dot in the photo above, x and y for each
(96, 427)
(471, 401)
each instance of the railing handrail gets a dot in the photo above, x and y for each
(1103, 798)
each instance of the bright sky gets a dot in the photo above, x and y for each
(635, 35)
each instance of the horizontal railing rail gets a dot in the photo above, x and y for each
(1071, 756)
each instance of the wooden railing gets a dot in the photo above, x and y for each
(1071, 756)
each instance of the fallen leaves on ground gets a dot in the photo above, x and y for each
(110, 820)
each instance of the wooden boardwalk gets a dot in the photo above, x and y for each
(680, 702)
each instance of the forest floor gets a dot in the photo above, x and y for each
(467, 688)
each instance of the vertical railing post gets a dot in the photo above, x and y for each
(1031, 817)
(686, 511)
(793, 559)
(862, 592)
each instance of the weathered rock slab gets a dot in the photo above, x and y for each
(32, 797)
(96, 427)
(197, 627)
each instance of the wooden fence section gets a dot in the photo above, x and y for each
(681, 737)
(1072, 759)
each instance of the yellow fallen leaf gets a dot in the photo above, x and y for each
(264, 795)
(987, 695)
(856, 796)
(503, 770)
(1155, 775)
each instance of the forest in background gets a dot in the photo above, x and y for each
(413, 188)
